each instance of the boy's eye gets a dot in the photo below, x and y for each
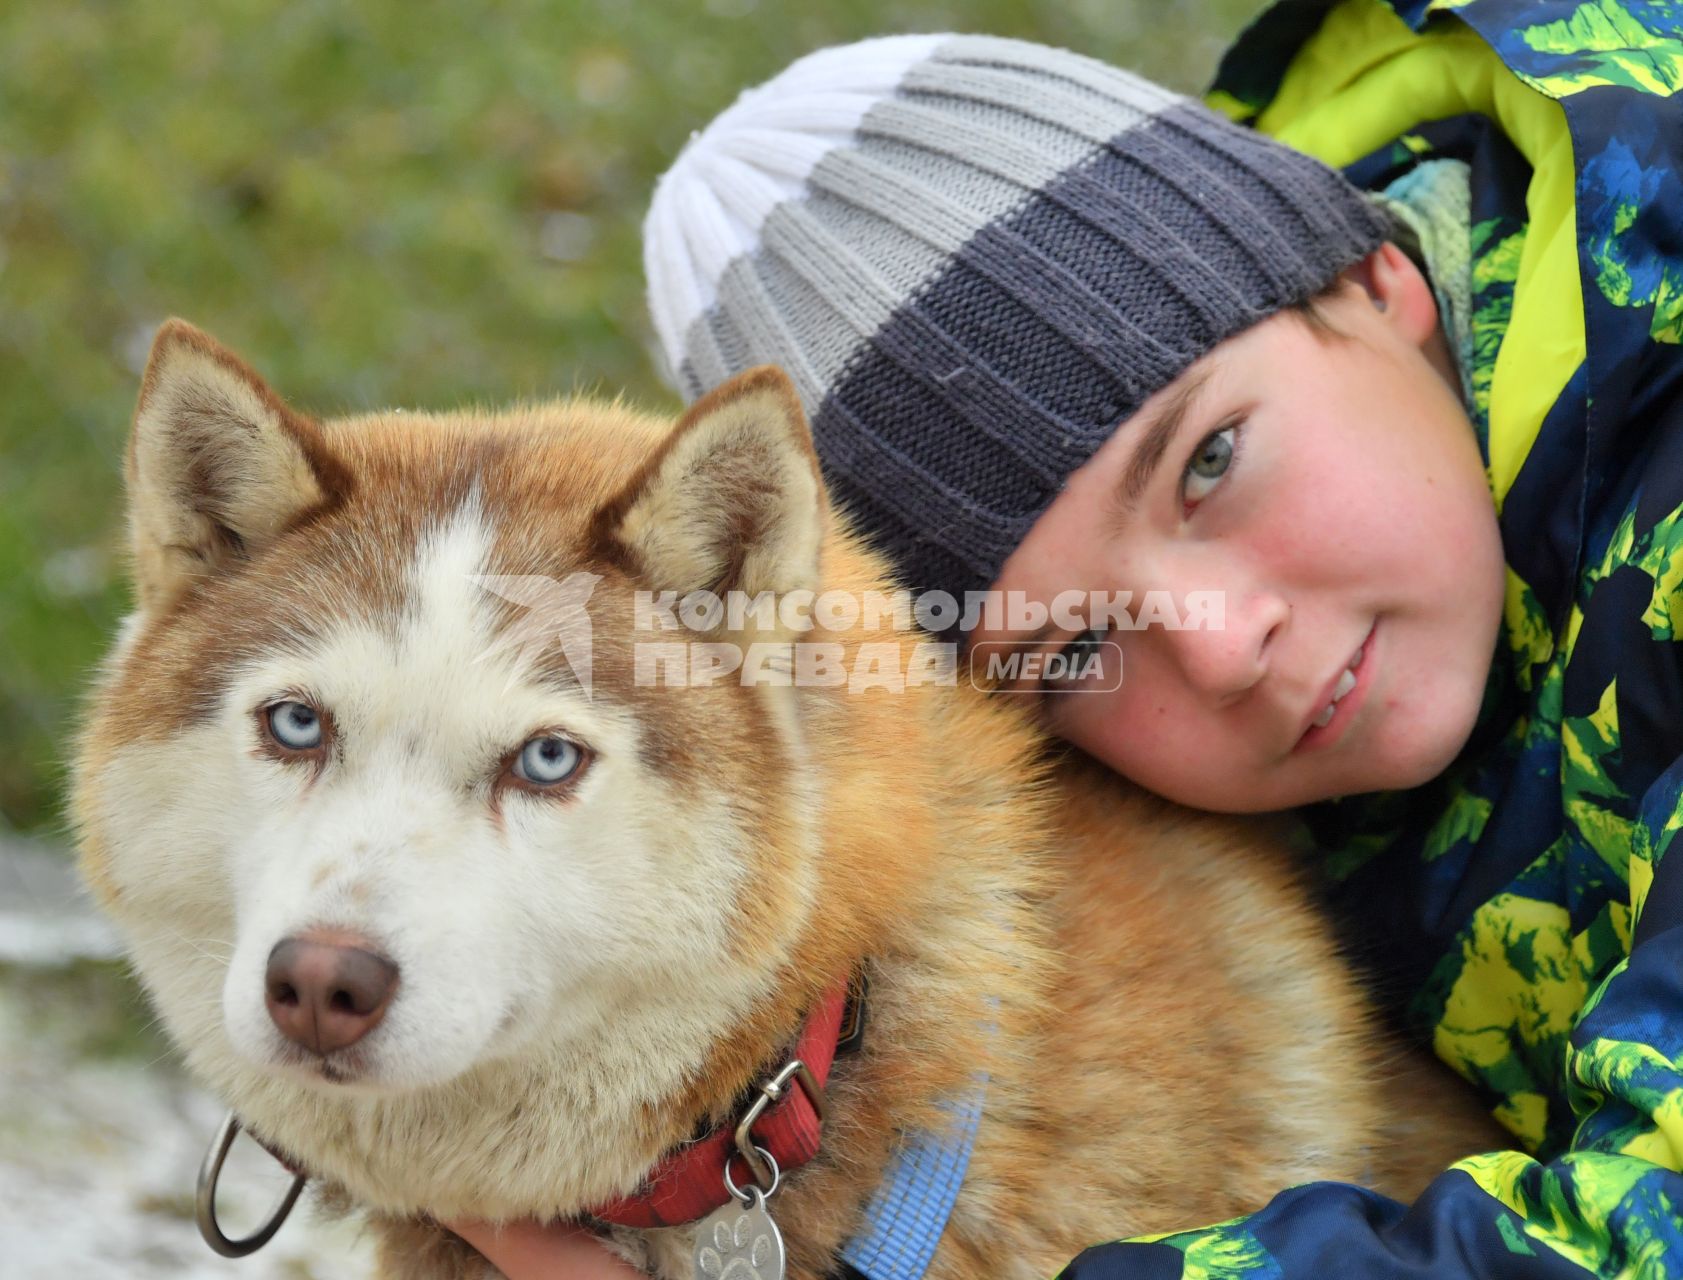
(1209, 463)
(1079, 661)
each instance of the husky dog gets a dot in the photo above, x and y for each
(478, 929)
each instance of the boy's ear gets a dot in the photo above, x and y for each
(732, 501)
(217, 465)
(1399, 291)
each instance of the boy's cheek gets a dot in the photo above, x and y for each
(1127, 732)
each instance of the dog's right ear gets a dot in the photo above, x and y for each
(732, 501)
(217, 465)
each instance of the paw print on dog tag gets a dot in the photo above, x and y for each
(737, 1242)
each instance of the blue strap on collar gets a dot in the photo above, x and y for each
(904, 1221)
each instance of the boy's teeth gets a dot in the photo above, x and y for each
(1346, 682)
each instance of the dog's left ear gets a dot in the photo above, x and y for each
(731, 502)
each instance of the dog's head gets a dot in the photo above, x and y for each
(374, 781)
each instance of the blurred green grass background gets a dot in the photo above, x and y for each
(375, 203)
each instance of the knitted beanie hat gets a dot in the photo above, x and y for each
(976, 257)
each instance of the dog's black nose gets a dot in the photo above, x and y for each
(327, 992)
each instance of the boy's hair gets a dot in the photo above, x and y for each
(976, 257)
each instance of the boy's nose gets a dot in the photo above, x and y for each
(1225, 660)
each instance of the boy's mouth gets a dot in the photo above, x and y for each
(1340, 698)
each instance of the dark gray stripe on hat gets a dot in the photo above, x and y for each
(996, 379)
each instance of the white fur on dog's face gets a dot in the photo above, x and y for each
(509, 915)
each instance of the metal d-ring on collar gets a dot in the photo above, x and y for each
(757, 1158)
(204, 1201)
(763, 1192)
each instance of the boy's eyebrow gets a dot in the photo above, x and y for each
(1159, 429)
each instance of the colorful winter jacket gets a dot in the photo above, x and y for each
(1524, 904)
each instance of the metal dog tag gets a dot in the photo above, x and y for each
(739, 1241)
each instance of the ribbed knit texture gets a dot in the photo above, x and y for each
(976, 257)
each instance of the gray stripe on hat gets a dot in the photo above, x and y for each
(942, 145)
(770, 314)
(1110, 84)
(975, 91)
(810, 330)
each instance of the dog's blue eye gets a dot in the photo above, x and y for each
(296, 726)
(545, 761)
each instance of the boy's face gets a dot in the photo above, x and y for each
(1329, 487)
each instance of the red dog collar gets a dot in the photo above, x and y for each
(785, 1121)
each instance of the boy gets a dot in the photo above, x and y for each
(1058, 330)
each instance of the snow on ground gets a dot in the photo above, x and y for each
(100, 1133)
